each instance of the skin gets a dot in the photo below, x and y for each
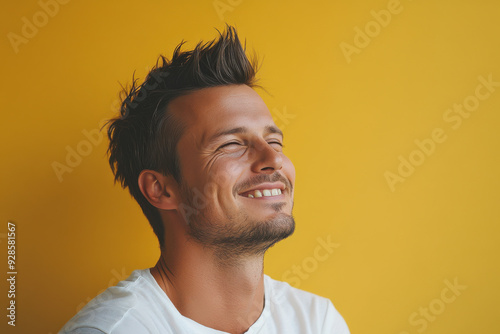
(211, 267)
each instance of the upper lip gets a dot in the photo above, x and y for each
(274, 185)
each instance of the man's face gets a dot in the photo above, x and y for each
(231, 160)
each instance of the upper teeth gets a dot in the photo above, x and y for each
(265, 193)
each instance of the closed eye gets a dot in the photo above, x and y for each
(227, 144)
(239, 144)
(276, 142)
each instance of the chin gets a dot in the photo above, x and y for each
(276, 229)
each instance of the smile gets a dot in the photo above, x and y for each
(264, 190)
(262, 193)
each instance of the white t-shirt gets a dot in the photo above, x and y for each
(138, 305)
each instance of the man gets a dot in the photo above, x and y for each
(199, 151)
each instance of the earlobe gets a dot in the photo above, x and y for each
(156, 188)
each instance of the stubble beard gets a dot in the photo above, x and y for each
(235, 237)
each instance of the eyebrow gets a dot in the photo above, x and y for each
(268, 129)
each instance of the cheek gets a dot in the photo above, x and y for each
(222, 178)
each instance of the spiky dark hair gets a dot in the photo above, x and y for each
(145, 135)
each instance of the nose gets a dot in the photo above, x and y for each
(265, 158)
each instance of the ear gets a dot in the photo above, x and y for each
(158, 189)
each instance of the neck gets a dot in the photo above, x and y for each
(226, 294)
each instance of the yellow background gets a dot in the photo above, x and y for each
(351, 122)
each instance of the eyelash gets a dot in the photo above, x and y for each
(237, 143)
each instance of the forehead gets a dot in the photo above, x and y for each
(210, 110)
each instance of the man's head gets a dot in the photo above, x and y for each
(194, 142)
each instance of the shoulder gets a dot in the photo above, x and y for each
(123, 303)
(318, 313)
